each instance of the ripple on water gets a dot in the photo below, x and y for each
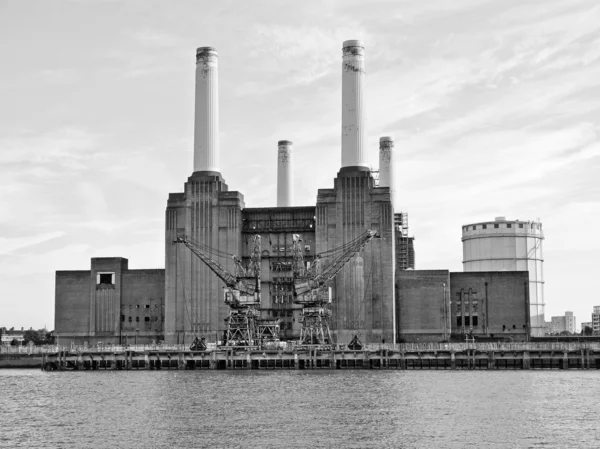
(349, 409)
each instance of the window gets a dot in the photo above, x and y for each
(496, 225)
(484, 226)
(475, 321)
(467, 321)
(147, 319)
(147, 306)
(137, 306)
(130, 319)
(137, 319)
(509, 225)
(105, 278)
(459, 321)
(521, 225)
(474, 228)
(122, 318)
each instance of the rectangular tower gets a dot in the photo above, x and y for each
(363, 292)
(208, 213)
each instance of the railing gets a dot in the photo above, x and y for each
(545, 346)
(406, 347)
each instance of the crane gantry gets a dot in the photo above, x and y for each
(310, 286)
(310, 290)
(242, 295)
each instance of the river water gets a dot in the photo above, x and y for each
(272, 409)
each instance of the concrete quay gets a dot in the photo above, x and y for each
(403, 357)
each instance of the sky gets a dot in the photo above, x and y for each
(494, 105)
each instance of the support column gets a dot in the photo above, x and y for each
(526, 360)
(491, 360)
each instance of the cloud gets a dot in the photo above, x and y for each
(59, 76)
(10, 245)
(302, 54)
(67, 147)
(156, 38)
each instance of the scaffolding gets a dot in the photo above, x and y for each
(405, 249)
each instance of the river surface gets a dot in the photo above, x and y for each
(337, 409)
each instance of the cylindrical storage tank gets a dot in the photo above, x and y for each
(505, 245)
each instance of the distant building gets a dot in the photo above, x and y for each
(596, 320)
(563, 323)
(584, 325)
(8, 335)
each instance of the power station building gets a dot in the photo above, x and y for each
(376, 295)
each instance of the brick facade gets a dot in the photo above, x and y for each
(96, 305)
(492, 304)
(423, 305)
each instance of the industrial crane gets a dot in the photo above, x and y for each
(242, 292)
(310, 289)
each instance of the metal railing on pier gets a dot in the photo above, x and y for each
(289, 346)
(545, 346)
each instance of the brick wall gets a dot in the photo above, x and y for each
(89, 311)
(71, 304)
(422, 304)
(499, 299)
(142, 305)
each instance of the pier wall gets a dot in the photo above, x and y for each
(443, 356)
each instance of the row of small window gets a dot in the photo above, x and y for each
(283, 249)
(508, 225)
(137, 319)
(281, 298)
(139, 306)
(281, 312)
(283, 280)
(459, 321)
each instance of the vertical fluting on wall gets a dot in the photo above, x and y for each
(284, 174)
(354, 151)
(206, 124)
(363, 302)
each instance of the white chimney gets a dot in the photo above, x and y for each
(206, 125)
(284, 174)
(354, 148)
(386, 163)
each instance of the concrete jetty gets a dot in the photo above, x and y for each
(441, 356)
